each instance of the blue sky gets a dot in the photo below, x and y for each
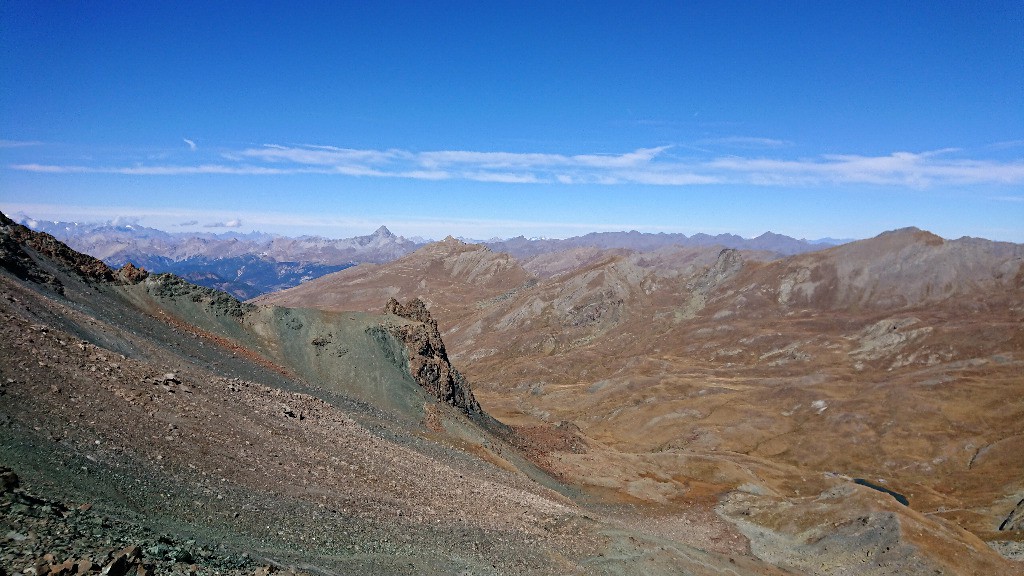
(481, 119)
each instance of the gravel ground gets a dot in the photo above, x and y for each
(280, 475)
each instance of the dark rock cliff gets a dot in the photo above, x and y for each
(428, 360)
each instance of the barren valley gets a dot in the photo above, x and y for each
(459, 410)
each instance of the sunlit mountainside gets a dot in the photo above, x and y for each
(696, 409)
(247, 265)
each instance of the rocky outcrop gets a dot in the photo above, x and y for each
(887, 337)
(606, 309)
(131, 274)
(172, 288)
(8, 480)
(414, 310)
(728, 264)
(428, 359)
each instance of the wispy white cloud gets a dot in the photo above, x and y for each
(125, 220)
(505, 167)
(191, 144)
(427, 175)
(488, 160)
(505, 177)
(319, 155)
(530, 160)
(648, 166)
(159, 170)
(233, 223)
(670, 177)
(746, 142)
(899, 168)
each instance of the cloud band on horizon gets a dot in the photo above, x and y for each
(646, 166)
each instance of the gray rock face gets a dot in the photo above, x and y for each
(728, 264)
(1015, 519)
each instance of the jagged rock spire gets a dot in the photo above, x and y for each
(428, 360)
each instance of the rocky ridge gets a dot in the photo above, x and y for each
(428, 359)
(777, 244)
(14, 258)
(119, 244)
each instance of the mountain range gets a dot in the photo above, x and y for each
(252, 264)
(244, 265)
(672, 410)
(770, 242)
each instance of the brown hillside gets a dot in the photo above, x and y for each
(449, 276)
(896, 359)
(669, 414)
(159, 427)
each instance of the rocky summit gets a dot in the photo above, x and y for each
(681, 410)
